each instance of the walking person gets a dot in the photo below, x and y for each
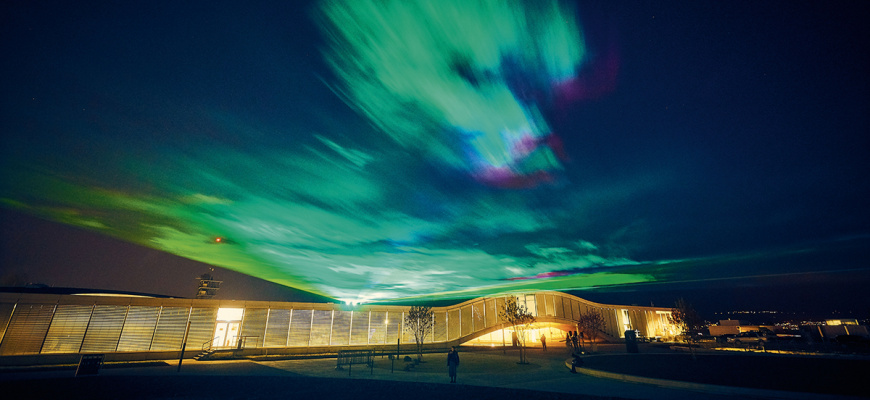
(544, 341)
(452, 363)
(576, 339)
(569, 342)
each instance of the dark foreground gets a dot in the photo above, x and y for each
(261, 387)
(839, 376)
(483, 375)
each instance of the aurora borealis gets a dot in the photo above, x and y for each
(387, 150)
(461, 83)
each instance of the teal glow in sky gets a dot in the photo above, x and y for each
(460, 82)
(398, 149)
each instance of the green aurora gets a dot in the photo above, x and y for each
(411, 149)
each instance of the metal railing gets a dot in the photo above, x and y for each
(243, 341)
(206, 346)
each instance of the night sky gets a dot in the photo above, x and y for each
(627, 152)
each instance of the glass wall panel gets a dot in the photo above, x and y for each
(566, 308)
(394, 323)
(5, 316)
(642, 322)
(584, 308)
(440, 328)
(359, 330)
(612, 326)
(138, 328)
(27, 329)
(408, 335)
(300, 327)
(466, 323)
(341, 328)
(254, 327)
(558, 311)
(277, 328)
(548, 306)
(491, 313)
(104, 330)
(320, 327)
(499, 307)
(378, 327)
(541, 305)
(170, 328)
(626, 321)
(431, 336)
(453, 324)
(67, 329)
(531, 302)
(477, 316)
(575, 309)
(201, 333)
(558, 308)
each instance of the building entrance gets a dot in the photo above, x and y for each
(226, 331)
(226, 334)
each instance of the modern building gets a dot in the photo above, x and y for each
(39, 328)
(834, 328)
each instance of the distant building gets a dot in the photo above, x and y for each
(732, 327)
(836, 327)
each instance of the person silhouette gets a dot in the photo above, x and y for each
(452, 363)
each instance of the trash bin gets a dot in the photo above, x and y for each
(631, 341)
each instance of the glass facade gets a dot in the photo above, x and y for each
(41, 324)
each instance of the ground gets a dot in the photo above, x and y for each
(483, 374)
(842, 375)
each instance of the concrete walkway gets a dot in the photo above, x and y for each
(545, 372)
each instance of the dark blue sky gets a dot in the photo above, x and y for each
(704, 145)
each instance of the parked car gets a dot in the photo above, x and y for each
(748, 337)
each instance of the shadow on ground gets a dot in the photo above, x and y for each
(840, 376)
(261, 387)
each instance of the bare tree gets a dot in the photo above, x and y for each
(592, 323)
(519, 317)
(420, 321)
(687, 320)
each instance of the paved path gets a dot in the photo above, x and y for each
(545, 372)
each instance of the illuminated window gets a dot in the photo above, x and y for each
(230, 314)
(626, 320)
